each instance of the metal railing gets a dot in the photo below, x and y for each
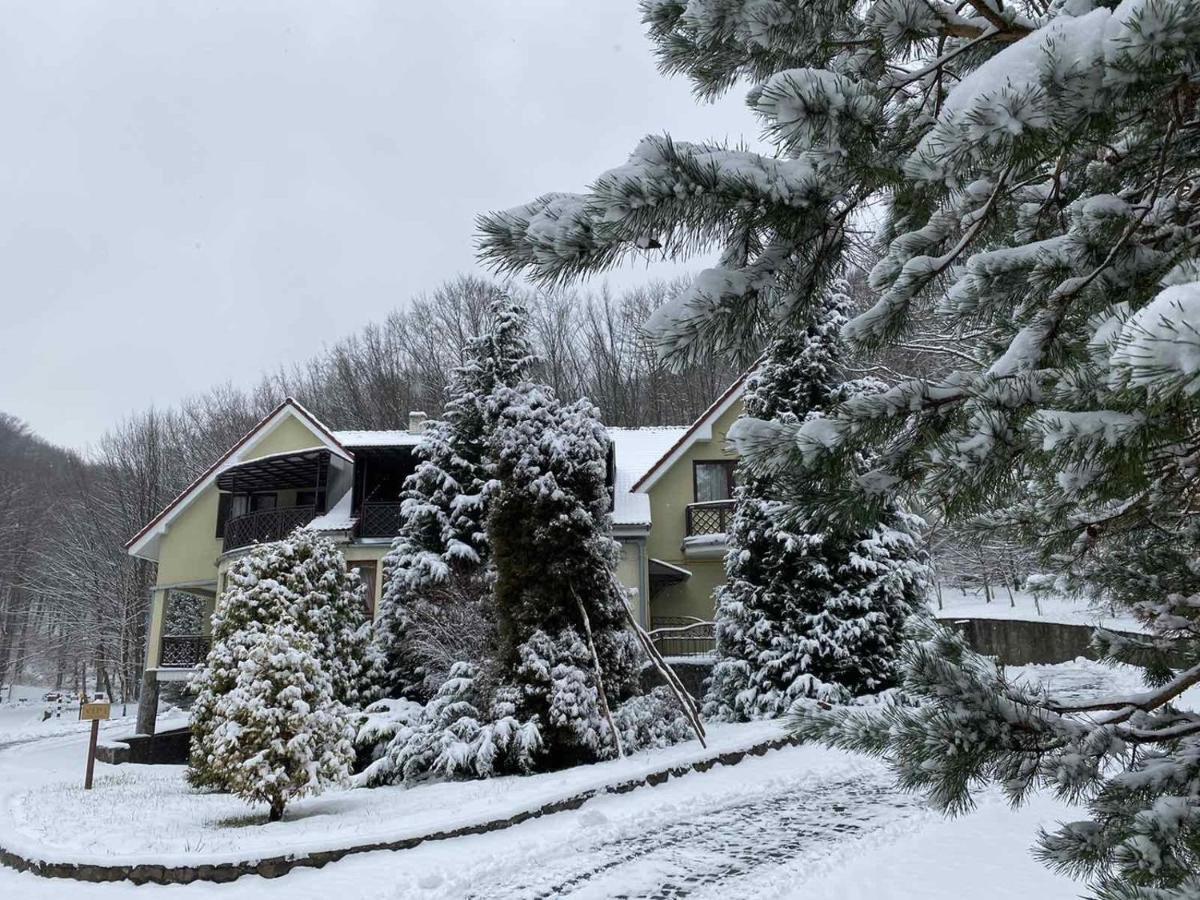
(713, 517)
(266, 525)
(183, 651)
(379, 519)
(683, 636)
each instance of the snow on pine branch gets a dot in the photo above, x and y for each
(1159, 345)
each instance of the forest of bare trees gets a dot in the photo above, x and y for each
(73, 604)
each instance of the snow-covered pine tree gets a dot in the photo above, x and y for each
(442, 534)
(279, 733)
(808, 609)
(1038, 165)
(560, 607)
(302, 582)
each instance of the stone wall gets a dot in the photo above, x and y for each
(1017, 642)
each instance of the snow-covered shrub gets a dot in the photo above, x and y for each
(652, 720)
(278, 733)
(377, 726)
(455, 735)
(302, 583)
(441, 552)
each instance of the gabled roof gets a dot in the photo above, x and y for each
(636, 450)
(700, 430)
(145, 540)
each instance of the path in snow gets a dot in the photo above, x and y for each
(713, 848)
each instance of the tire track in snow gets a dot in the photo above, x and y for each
(711, 847)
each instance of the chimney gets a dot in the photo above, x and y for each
(416, 421)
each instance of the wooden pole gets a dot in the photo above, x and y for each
(91, 762)
(603, 696)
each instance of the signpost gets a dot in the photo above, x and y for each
(95, 712)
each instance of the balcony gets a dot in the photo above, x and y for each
(713, 517)
(183, 651)
(379, 519)
(265, 525)
(708, 526)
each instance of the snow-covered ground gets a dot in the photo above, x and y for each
(28, 717)
(960, 604)
(797, 823)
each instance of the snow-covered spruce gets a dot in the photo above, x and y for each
(808, 610)
(559, 606)
(300, 585)
(441, 551)
(278, 733)
(1037, 165)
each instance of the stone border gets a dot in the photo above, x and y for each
(275, 866)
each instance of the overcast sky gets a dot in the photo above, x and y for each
(193, 192)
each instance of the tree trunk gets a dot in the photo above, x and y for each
(276, 812)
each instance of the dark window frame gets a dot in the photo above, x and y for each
(730, 467)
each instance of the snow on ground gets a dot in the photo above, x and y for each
(25, 719)
(961, 604)
(148, 814)
(801, 822)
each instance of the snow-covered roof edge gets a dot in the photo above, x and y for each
(139, 544)
(700, 430)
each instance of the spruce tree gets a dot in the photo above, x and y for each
(299, 583)
(1036, 164)
(808, 609)
(442, 533)
(564, 648)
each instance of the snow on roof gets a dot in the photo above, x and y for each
(377, 438)
(636, 450)
(338, 517)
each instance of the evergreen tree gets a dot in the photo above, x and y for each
(279, 733)
(443, 534)
(1038, 165)
(807, 610)
(299, 583)
(560, 607)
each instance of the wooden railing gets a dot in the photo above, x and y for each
(266, 525)
(713, 517)
(683, 636)
(379, 519)
(183, 651)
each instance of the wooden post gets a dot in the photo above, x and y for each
(94, 712)
(91, 763)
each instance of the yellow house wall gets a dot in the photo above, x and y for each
(669, 497)
(290, 434)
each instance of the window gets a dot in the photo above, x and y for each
(366, 571)
(259, 502)
(713, 479)
(311, 498)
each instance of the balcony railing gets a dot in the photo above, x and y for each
(266, 525)
(713, 517)
(683, 636)
(183, 651)
(379, 519)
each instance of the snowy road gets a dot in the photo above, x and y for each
(714, 849)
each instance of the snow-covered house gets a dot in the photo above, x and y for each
(671, 507)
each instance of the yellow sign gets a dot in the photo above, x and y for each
(94, 711)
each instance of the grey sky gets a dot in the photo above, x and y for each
(196, 191)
